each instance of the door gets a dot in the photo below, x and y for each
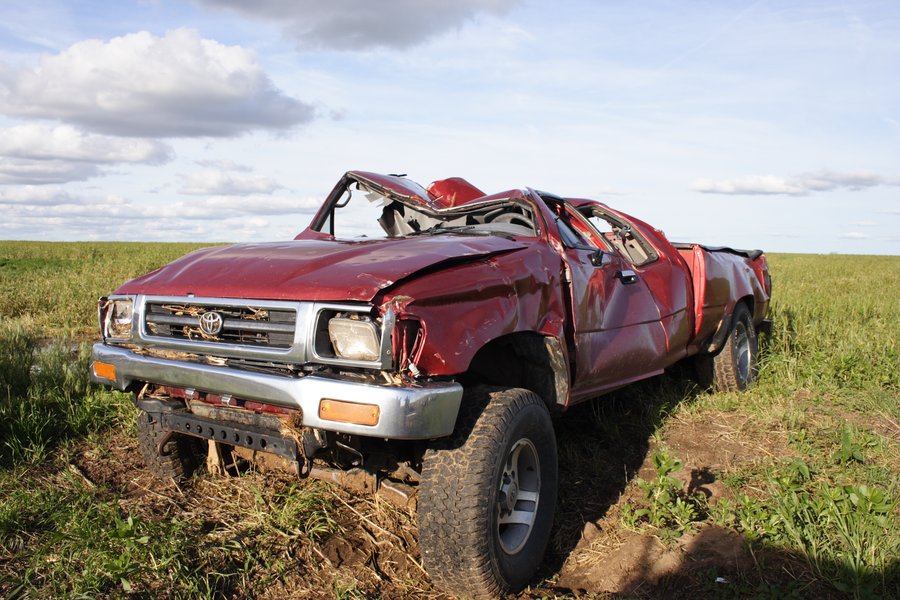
(617, 332)
(668, 280)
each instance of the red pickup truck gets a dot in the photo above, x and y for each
(420, 339)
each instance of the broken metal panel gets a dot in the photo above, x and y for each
(453, 192)
(617, 331)
(464, 308)
(310, 269)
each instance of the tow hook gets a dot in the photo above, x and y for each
(304, 466)
(166, 436)
(308, 443)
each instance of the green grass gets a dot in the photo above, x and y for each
(65, 539)
(835, 334)
(52, 287)
(829, 386)
(46, 399)
(824, 488)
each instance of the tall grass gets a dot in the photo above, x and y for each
(835, 329)
(52, 287)
(69, 541)
(46, 397)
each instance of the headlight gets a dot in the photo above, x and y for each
(353, 339)
(116, 315)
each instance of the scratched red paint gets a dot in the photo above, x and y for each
(453, 294)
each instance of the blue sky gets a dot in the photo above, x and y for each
(766, 124)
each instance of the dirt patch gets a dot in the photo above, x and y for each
(116, 465)
(880, 423)
(373, 550)
(641, 563)
(722, 441)
(606, 558)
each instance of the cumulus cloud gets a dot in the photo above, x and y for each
(798, 185)
(31, 195)
(49, 201)
(39, 172)
(41, 154)
(46, 212)
(141, 85)
(351, 25)
(37, 141)
(226, 183)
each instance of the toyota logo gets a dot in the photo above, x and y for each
(211, 323)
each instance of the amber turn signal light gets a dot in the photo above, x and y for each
(348, 412)
(105, 370)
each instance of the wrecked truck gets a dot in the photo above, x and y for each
(419, 340)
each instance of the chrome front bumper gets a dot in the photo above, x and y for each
(416, 412)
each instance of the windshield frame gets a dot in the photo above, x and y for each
(406, 193)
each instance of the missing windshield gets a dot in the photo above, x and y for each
(363, 213)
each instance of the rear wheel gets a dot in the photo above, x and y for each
(488, 494)
(179, 456)
(735, 367)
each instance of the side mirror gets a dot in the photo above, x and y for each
(599, 258)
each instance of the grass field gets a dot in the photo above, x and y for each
(667, 490)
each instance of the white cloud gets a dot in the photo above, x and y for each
(226, 183)
(38, 172)
(50, 201)
(31, 195)
(351, 25)
(36, 141)
(178, 85)
(855, 235)
(42, 212)
(798, 185)
(221, 207)
(41, 154)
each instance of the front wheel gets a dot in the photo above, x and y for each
(488, 494)
(179, 456)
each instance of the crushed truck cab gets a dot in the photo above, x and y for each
(419, 339)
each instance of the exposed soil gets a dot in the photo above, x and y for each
(374, 551)
(608, 559)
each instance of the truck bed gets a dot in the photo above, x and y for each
(721, 276)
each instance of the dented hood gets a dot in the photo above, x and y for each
(323, 270)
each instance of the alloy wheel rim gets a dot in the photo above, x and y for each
(742, 346)
(519, 493)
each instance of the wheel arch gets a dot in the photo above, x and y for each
(747, 299)
(524, 359)
(714, 344)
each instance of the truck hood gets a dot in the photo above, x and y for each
(323, 270)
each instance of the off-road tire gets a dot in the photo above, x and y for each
(459, 497)
(180, 457)
(735, 368)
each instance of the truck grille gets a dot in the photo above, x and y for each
(244, 325)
